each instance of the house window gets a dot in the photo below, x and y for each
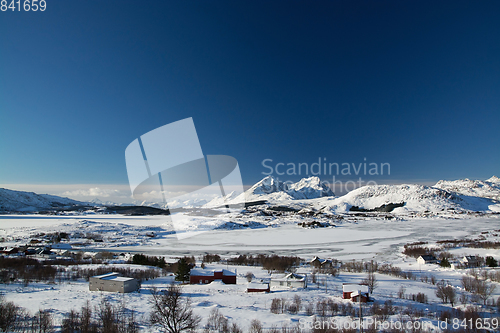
(282, 283)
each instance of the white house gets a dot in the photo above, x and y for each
(471, 261)
(427, 259)
(290, 280)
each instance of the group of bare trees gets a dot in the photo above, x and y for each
(218, 323)
(446, 292)
(17, 319)
(480, 288)
(103, 318)
(268, 262)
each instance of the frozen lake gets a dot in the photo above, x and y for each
(362, 240)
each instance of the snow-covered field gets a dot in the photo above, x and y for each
(357, 238)
(232, 300)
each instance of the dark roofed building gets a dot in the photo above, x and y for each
(204, 276)
(427, 259)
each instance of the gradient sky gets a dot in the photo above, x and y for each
(412, 83)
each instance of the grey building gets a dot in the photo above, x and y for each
(113, 282)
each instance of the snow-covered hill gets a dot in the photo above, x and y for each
(19, 201)
(489, 188)
(457, 196)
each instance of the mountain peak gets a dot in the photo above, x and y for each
(268, 185)
(310, 188)
(493, 179)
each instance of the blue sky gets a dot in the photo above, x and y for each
(413, 84)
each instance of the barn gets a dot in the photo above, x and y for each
(253, 287)
(113, 282)
(352, 291)
(204, 276)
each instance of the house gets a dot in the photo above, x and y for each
(427, 259)
(62, 246)
(253, 287)
(113, 282)
(30, 251)
(290, 280)
(10, 250)
(321, 263)
(352, 291)
(204, 276)
(471, 261)
(45, 253)
(456, 264)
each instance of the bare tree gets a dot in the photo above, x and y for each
(370, 281)
(276, 305)
(9, 314)
(216, 322)
(446, 292)
(255, 326)
(235, 328)
(172, 312)
(464, 298)
(249, 276)
(298, 302)
(42, 322)
(484, 290)
(401, 292)
(451, 294)
(440, 293)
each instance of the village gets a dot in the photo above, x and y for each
(267, 290)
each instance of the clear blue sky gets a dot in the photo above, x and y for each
(411, 83)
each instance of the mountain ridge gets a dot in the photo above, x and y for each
(462, 195)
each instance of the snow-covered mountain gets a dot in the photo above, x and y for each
(489, 188)
(457, 196)
(19, 201)
(271, 189)
(309, 188)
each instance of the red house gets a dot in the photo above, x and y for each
(352, 291)
(204, 276)
(258, 287)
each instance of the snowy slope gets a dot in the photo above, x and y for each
(417, 198)
(19, 201)
(475, 188)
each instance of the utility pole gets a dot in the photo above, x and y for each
(360, 313)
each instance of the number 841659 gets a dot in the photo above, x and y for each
(25, 5)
